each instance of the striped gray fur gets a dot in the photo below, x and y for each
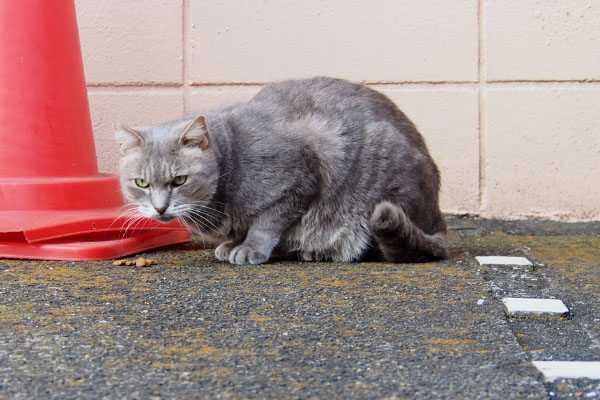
(317, 169)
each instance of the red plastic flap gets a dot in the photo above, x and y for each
(44, 226)
(93, 250)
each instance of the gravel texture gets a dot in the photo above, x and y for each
(188, 326)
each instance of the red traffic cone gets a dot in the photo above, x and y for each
(54, 204)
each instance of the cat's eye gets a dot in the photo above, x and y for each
(142, 183)
(179, 180)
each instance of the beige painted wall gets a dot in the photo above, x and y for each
(506, 93)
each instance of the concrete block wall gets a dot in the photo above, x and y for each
(506, 93)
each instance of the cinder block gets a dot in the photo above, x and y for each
(134, 41)
(235, 41)
(211, 97)
(542, 40)
(448, 119)
(553, 370)
(525, 306)
(133, 108)
(542, 152)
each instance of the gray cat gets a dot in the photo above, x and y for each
(317, 169)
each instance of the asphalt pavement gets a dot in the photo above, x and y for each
(189, 326)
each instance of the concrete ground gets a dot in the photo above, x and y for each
(191, 327)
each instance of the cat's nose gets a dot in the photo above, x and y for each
(160, 210)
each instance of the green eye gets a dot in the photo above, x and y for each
(179, 180)
(142, 183)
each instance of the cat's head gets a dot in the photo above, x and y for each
(168, 171)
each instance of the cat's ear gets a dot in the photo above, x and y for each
(195, 134)
(127, 137)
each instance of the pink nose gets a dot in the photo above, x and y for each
(160, 210)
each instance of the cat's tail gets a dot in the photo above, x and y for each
(400, 240)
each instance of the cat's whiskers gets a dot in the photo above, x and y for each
(205, 223)
(197, 216)
(132, 221)
(199, 226)
(214, 219)
(129, 216)
(127, 224)
(201, 209)
(211, 209)
(185, 221)
(125, 211)
(206, 213)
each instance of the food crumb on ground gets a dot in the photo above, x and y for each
(139, 262)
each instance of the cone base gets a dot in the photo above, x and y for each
(92, 250)
(60, 193)
(82, 235)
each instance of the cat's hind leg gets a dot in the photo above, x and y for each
(402, 241)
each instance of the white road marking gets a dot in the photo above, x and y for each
(526, 306)
(501, 260)
(568, 369)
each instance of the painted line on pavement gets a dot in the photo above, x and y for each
(553, 370)
(501, 260)
(526, 306)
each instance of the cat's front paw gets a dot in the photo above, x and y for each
(243, 254)
(224, 249)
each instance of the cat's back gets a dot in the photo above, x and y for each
(315, 94)
(353, 106)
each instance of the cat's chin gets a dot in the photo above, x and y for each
(165, 219)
